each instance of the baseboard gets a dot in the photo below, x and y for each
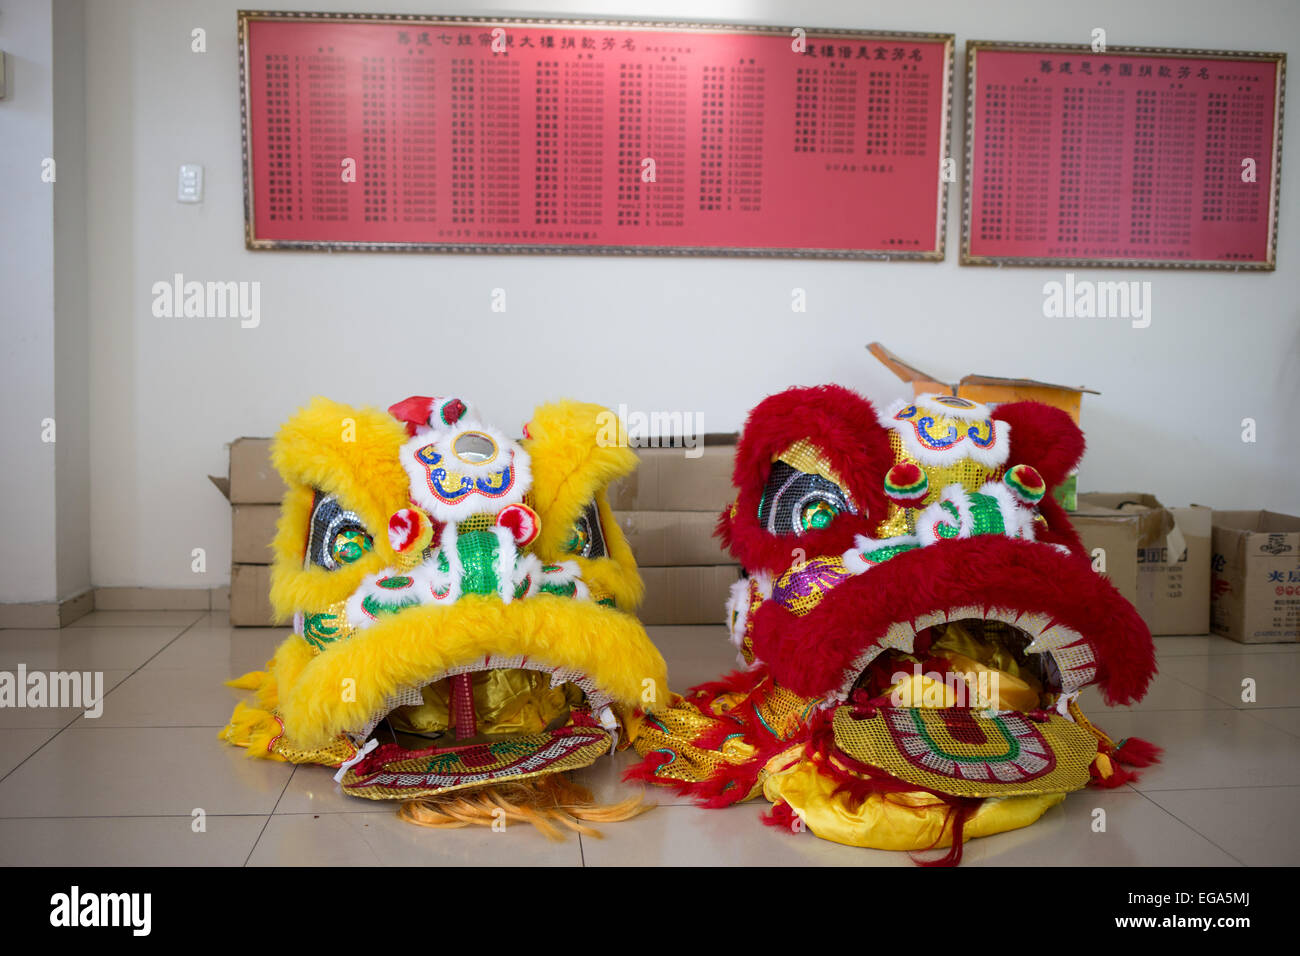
(153, 599)
(47, 614)
(56, 614)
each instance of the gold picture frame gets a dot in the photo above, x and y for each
(975, 47)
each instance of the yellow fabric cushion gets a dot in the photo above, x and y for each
(895, 821)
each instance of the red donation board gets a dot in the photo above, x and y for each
(1129, 157)
(569, 136)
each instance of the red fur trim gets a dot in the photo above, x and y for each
(1059, 530)
(810, 655)
(780, 816)
(844, 427)
(1137, 752)
(1044, 437)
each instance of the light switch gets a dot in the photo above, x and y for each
(189, 187)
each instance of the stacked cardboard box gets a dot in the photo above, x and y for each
(1256, 585)
(1157, 557)
(667, 509)
(254, 489)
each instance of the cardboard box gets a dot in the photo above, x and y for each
(252, 531)
(1157, 557)
(1255, 589)
(250, 601)
(667, 480)
(993, 390)
(689, 595)
(672, 538)
(1114, 527)
(252, 479)
(1174, 576)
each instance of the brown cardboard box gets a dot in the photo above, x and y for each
(1174, 576)
(691, 595)
(672, 538)
(993, 389)
(1113, 527)
(250, 589)
(669, 481)
(1255, 590)
(252, 531)
(252, 479)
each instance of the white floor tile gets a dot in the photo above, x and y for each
(1256, 825)
(379, 838)
(128, 841)
(141, 771)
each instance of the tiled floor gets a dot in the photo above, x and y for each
(149, 783)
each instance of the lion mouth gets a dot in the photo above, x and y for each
(971, 702)
(495, 720)
(968, 656)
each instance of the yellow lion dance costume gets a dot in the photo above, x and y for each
(463, 609)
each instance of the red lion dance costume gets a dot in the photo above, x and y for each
(915, 625)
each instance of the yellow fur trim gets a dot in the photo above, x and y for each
(577, 449)
(250, 681)
(255, 729)
(348, 452)
(344, 687)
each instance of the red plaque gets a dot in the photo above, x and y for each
(456, 134)
(1131, 157)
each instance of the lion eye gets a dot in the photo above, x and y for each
(337, 536)
(817, 514)
(587, 539)
(797, 502)
(349, 544)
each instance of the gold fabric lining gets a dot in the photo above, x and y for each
(510, 702)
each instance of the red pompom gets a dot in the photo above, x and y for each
(452, 411)
(522, 522)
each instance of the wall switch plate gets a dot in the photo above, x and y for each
(189, 187)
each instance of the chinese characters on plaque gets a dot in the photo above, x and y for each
(567, 136)
(1128, 157)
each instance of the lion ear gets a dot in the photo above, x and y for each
(1042, 436)
(345, 451)
(577, 450)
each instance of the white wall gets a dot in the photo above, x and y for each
(27, 495)
(708, 335)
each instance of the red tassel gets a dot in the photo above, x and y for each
(1137, 752)
(962, 810)
(1118, 777)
